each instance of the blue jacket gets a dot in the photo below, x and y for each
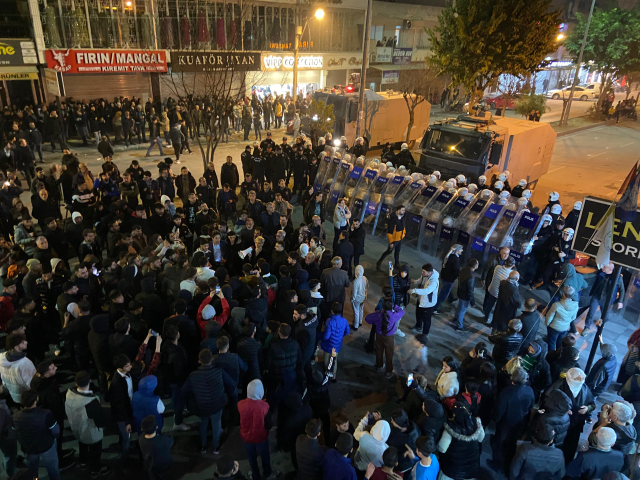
(337, 467)
(144, 402)
(335, 328)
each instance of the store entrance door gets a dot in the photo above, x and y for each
(19, 92)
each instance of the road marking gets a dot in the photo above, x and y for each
(596, 155)
(581, 133)
(555, 170)
(626, 145)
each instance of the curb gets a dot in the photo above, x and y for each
(580, 129)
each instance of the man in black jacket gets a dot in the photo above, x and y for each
(466, 286)
(309, 454)
(120, 395)
(344, 250)
(538, 459)
(507, 344)
(530, 319)
(212, 387)
(173, 371)
(357, 236)
(250, 350)
(509, 302)
(314, 207)
(404, 434)
(231, 363)
(284, 360)
(396, 232)
(25, 161)
(37, 431)
(449, 274)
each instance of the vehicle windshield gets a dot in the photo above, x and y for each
(456, 144)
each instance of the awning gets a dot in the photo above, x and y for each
(387, 67)
(27, 72)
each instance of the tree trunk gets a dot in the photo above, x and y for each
(411, 121)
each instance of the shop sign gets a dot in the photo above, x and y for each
(53, 82)
(19, 76)
(384, 54)
(625, 249)
(392, 76)
(401, 56)
(106, 61)
(17, 52)
(344, 62)
(275, 62)
(213, 61)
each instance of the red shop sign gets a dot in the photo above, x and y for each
(106, 61)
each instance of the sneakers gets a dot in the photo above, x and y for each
(182, 427)
(389, 375)
(216, 450)
(102, 472)
(416, 330)
(83, 466)
(460, 329)
(400, 333)
(380, 370)
(203, 450)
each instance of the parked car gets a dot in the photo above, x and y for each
(580, 93)
(499, 101)
(593, 86)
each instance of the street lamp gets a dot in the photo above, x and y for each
(319, 14)
(560, 37)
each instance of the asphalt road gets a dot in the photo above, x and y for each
(591, 162)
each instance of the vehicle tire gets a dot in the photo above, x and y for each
(584, 98)
(492, 106)
(555, 96)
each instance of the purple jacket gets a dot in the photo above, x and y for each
(376, 317)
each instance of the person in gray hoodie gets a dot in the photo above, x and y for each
(559, 318)
(373, 444)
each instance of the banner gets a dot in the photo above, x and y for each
(106, 61)
(391, 76)
(384, 54)
(212, 61)
(17, 53)
(401, 56)
(625, 248)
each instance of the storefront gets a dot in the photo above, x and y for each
(19, 83)
(90, 74)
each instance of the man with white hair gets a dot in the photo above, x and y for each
(598, 461)
(619, 418)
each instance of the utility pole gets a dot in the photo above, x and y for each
(365, 64)
(576, 77)
(295, 61)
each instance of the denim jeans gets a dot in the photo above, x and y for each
(554, 339)
(262, 449)
(48, 460)
(125, 437)
(593, 312)
(177, 400)
(461, 309)
(216, 429)
(358, 313)
(445, 291)
(153, 142)
(488, 304)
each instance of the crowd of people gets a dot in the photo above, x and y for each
(172, 295)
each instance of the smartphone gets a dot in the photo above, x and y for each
(409, 379)
(390, 265)
(371, 419)
(217, 288)
(154, 333)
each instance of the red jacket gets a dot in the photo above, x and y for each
(252, 415)
(6, 310)
(221, 319)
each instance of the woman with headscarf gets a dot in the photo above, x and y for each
(359, 288)
(459, 445)
(582, 404)
(373, 443)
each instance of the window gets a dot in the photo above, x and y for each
(376, 32)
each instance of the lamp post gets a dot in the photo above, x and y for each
(319, 14)
(576, 78)
(365, 63)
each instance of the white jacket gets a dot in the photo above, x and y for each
(16, 375)
(447, 384)
(428, 292)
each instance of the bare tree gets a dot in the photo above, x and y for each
(415, 86)
(223, 84)
(509, 86)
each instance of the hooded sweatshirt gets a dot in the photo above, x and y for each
(561, 314)
(376, 318)
(144, 402)
(359, 286)
(253, 414)
(573, 279)
(372, 445)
